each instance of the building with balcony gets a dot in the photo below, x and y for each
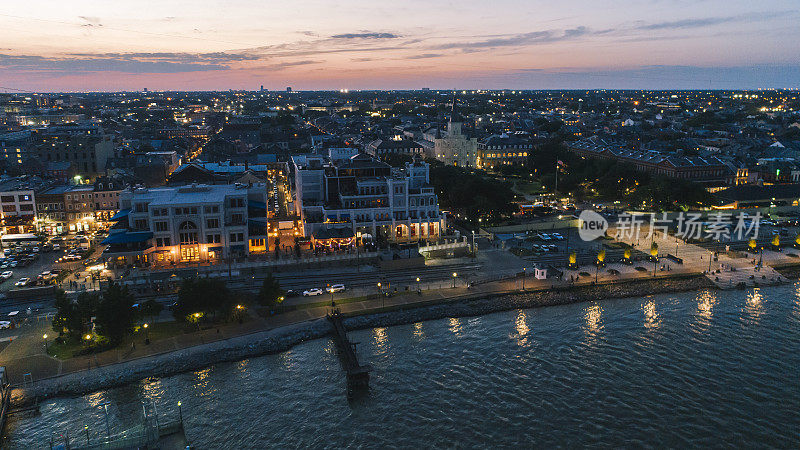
(187, 224)
(344, 202)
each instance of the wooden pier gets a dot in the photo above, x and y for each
(357, 374)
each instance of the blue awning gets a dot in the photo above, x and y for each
(258, 205)
(121, 214)
(128, 237)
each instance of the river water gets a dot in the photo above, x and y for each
(711, 368)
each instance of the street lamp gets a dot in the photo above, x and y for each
(455, 275)
(146, 334)
(45, 342)
(524, 275)
(180, 413)
(419, 289)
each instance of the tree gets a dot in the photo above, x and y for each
(115, 313)
(277, 247)
(271, 293)
(72, 317)
(202, 296)
(151, 308)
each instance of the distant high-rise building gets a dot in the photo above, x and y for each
(144, 90)
(262, 88)
(289, 89)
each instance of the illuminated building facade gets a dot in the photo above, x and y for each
(187, 224)
(363, 198)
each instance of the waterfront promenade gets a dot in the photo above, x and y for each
(27, 362)
(26, 354)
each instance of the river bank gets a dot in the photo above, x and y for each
(281, 339)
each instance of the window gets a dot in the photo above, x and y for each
(212, 223)
(236, 219)
(140, 224)
(211, 209)
(26, 207)
(213, 238)
(237, 237)
(237, 203)
(187, 233)
(162, 225)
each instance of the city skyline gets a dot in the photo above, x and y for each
(310, 45)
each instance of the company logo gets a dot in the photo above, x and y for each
(592, 225)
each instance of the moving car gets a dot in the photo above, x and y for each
(335, 288)
(22, 282)
(312, 292)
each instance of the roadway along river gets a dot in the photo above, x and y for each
(718, 369)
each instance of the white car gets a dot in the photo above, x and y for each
(312, 292)
(6, 275)
(22, 282)
(4, 324)
(56, 247)
(335, 288)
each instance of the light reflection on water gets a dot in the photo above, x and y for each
(381, 341)
(521, 328)
(636, 388)
(418, 332)
(593, 320)
(651, 319)
(455, 326)
(754, 306)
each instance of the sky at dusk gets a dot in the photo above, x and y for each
(90, 45)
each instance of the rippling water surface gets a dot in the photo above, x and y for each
(692, 369)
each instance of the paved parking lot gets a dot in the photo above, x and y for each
(44, 262)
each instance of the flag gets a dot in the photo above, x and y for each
(560, 163)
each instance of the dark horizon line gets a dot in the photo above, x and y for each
(337, 91)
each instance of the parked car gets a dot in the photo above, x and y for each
(22, 282)
(312, 292)
(6, 275)
(4, 324)
(291, 293)
(335, 288)
(56, 247)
